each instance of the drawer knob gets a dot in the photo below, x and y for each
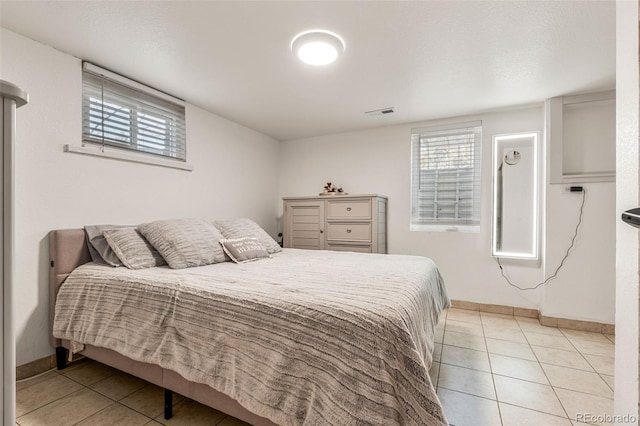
(322, 231)
(348, 209)
(348, 231)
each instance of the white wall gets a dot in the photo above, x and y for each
(627, 197)
(585, 144)
(235, 175)
(378, 161)
(585, 287)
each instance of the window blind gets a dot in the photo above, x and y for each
(127, 116)
(445, 178)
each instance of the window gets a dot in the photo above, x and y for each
(445, 178)
(122, 113)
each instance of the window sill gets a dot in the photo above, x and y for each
(123, 156)
(471, 229)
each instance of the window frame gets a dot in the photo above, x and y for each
(418, 220)
(153, 123)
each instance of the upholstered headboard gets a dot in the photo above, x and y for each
(67, 250)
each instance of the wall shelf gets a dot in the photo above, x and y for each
(581, 132)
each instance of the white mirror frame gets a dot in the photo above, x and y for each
(500, 142)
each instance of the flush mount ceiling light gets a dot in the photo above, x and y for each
(317, 47)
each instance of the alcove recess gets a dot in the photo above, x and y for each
(582, 137)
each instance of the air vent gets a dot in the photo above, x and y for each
(383, 111)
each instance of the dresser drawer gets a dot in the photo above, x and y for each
(349, 231)
(345, 247)
(349, 209)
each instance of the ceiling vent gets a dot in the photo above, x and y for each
(383, 111)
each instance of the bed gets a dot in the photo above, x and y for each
(305, 337)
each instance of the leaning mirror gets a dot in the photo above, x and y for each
(515, 196)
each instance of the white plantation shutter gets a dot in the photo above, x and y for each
(445, 178)
(125, 114)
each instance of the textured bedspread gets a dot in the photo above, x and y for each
(307, 337)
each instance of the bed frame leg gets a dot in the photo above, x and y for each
(168, 404)
(61, 357)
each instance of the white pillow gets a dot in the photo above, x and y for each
(242, 250)
(133, 250)
(184, 243)
(99, 249)
(238, 228)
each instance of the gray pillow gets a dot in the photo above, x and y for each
(133, 249)
(246, 249)
(184, 243)
(238, 228)
(99, 249)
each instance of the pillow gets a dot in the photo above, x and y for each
(99, 249)
(133, 249)
(238, 228)
(242, 250)
(184, 243)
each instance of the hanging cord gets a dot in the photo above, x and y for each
(555, 274)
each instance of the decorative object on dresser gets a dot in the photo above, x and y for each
(342, 223)
(330, 189)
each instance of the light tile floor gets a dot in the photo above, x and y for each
(88, 393)
(492, 369)
(488, 369)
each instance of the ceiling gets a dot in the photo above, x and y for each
(428, 59)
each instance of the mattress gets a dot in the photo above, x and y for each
(304, 337)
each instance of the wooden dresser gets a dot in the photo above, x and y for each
(336, 222)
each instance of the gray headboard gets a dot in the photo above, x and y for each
(67, 250)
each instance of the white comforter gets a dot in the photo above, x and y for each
(306, 337)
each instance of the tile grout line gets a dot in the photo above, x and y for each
(577, 369)
(115, 400)
(462, 392)
(87, 387)
(532, 409)
(444, 328)
(139, 412)
(493, 379)
(537, 360)
(543, 371)
(82, 420)
(59, 374)
(601, 374)
(497, 401)
(553, 388)
(588, 362)
(55, 400)
(50, 402)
